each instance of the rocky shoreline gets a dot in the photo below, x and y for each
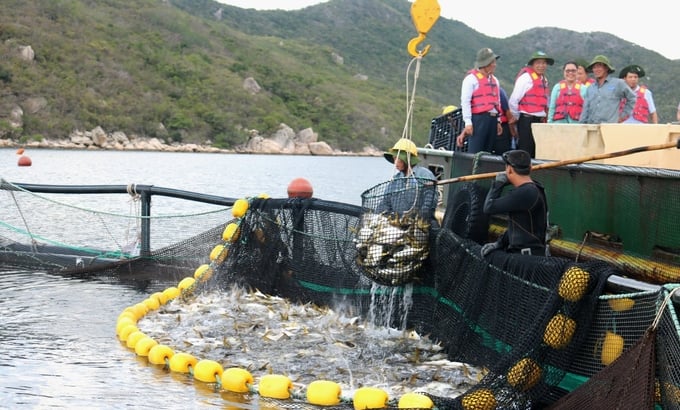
(285, 141)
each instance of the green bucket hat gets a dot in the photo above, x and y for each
(635, 69)
(540, 54)
(600, 59)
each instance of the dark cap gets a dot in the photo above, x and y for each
(518, 159)
(635, 69)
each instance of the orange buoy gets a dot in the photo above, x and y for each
(24, 161)
(300, 188)
(20, 151)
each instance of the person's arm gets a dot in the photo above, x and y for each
(466, 90)
(553, 99)
(631, 98)
(585, 112)
(522, 85)
(653, 117)
(518, 199)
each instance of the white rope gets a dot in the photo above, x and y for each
(659, 314)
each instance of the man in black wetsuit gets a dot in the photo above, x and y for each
(525, 205)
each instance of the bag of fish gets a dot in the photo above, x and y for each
(392, 240)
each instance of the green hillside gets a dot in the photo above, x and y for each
(339, 68)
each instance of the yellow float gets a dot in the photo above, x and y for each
(524, 374)
(415, 401)
(133, 338)
(143, 346)
(159, 354)
(181, 362)
(323, 393)
(370, 398)
(559, 331)
(236, 380)
(621, 304)
(208, 371)
(126, 331)
(481, 399)
(574, 284)
(240, 208)
(275, 386)
(230, 233)
(171, 293)
(186, 283)
(218, 254)
(612, 347)
(152, 303)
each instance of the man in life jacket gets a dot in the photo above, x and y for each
(529, 99)
(566, 98)
(481, 104)
(644, 111)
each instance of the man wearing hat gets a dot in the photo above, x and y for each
(525, 205)
(608, 99)
(644, 111)
(529, 99)
(409, 186)
(481, 104)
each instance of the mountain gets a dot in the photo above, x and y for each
(176, 69)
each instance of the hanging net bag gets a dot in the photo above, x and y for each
(392, 241)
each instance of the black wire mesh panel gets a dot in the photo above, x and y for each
(445, 128)
(392, 242)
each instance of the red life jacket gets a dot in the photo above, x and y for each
(569, 102)
(641, 109)
(589, 81)
(536, 99)
(486, 97)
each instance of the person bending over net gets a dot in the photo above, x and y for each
(525, 205)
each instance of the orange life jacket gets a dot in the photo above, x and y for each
(536, 99)
(641, 109)
(486, 97)
(569, 102)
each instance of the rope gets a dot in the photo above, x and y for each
(23, 218)
(659, 314)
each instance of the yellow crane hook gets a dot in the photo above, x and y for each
(424, 14)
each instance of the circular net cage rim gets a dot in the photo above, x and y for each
(378, 190)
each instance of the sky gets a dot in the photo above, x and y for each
(633, 24)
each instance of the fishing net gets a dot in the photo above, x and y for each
(393, 237)
(540, 326)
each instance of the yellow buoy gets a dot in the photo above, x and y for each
(236, 380)
(123, 322)
(621, 304)
(218, 253)
(415, 401)
(230, 233)
(160, 297)
(612, 347)
(263, 196)
(160, 353)
(186, 283)
(152, 303)
(446, 110)
(143, 346)
(524, 374)
(323, 393)
(171, 293)
(138, 310)
(574, 284)
(203, 272)
(275, 386)
(208, 371)
(559, 331)
(126, 331)
(181, 362)
(370, 398)
(239, 209)
(481, 399)
(128, 314)
(133, 338)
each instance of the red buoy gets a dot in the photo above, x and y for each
(300, 188)
(24, 161)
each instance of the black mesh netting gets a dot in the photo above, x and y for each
(541, 326)
(392, 241)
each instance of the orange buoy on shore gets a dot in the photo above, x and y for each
(24, 161)
(300, 188)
